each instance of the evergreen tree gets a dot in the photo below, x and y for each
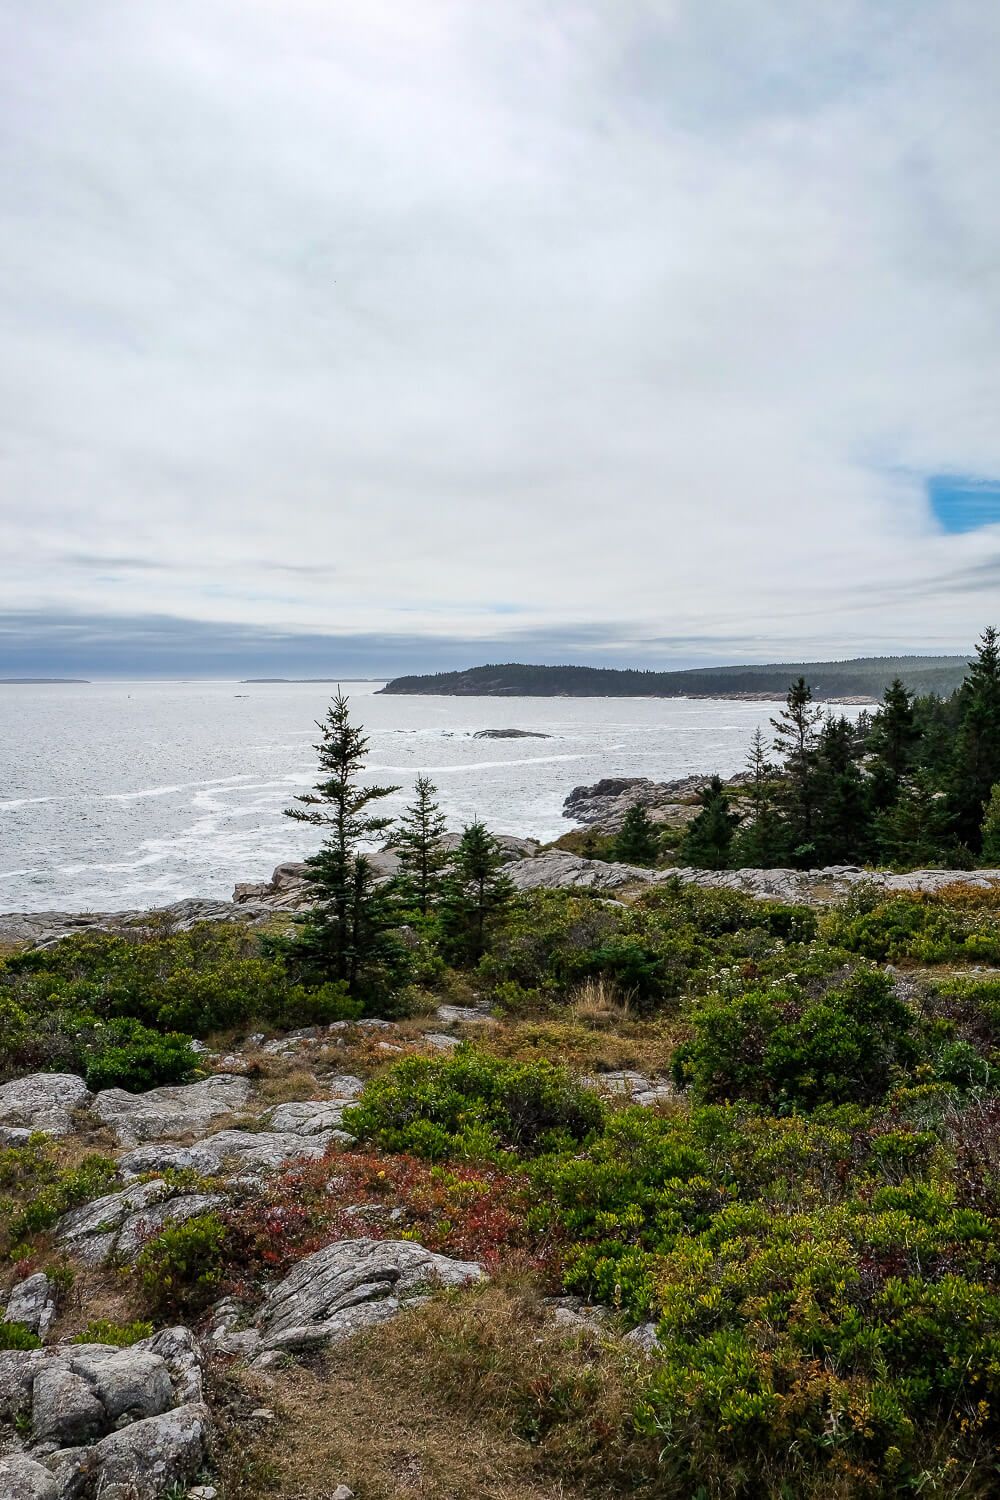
(891, 743)
(418, 842)
(991, 829)
(708, 839)
(796, 734)
(475, 891)
(637, 842)
(913, 832)
(841, 831)
(761, 841)
(346, 935)
(976, 763)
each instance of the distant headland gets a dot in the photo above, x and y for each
(860, 681)
(35, 681)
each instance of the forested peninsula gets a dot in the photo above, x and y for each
(866, 678)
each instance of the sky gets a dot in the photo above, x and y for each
(379, 336)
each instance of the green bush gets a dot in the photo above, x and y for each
(45, 1189)
(474, 1106)
(785, 1048)
(121, 1335)
(18, 1336)
(916, 928)
(179, 1270)
(866, 1324)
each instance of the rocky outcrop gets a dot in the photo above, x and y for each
(41, 929)
(175, 1110)
(556, 870)
(603, 806)
(32, 1303)
(510, 734)
(119, 1223)
(636, 1088)
(97, 1422)
(40, 1102)
(351, 1285)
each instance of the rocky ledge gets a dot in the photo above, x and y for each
(603, 806)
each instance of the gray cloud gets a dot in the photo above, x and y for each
(372, 321)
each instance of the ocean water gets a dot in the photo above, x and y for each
(135, 794)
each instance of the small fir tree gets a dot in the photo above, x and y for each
(760, 842)
(991, 829)
(841, 827)
(475, 892)
(891, 743)
(796, 736)
(976, 761)
(346, 935)
(914, 831)
(708, 840)
(418, 842)
(637, 842)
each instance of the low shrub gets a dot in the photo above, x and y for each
(38, 1188)
(120, 1335)
(917, 928)
(475, 1106)
(785, 1047)
(18, 1336)
(179, 1270)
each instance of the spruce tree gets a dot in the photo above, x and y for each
(346, 935)
(891, 743)
(418, 842)
(796, 734)
(708, 839)
(761, 840)
(991, 829)
(475, 891)
(976, 762)
(841, 830)
(914, 833)
(636, 842)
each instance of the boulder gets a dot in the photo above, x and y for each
(41, 1102)
(635, 1087)
(351, 1285)
(172, 1111)
(21, 1478)
(145, 1460)
(165, 1156)
(510, 734)
(32, 1302)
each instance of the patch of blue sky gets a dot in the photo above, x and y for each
(962, 503)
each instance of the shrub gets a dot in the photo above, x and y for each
(179, 1270)
(785, 1048)
(18, 1336)
(121, 1335)
(43, 1189)
(473, 1106)
(920, 928)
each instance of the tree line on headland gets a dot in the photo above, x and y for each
(866, 678)
(915, 783)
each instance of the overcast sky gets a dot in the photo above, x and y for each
(594, 331)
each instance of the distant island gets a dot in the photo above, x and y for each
(863, 680)
(34, 681)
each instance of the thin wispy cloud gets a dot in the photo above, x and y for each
(341, 319)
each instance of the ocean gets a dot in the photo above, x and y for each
(132, 794)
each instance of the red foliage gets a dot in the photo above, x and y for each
(471, 1212)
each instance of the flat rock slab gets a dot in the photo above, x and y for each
(351, 1285)
(172, 1111)
(43, 1102)
(311, 1117)
(265, 1150)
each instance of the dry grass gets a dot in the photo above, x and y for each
(646, 1046)
(599, 1003)
(96, 1293)
(476, 1395)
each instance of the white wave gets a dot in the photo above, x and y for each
(14, 802)
(165, 791)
